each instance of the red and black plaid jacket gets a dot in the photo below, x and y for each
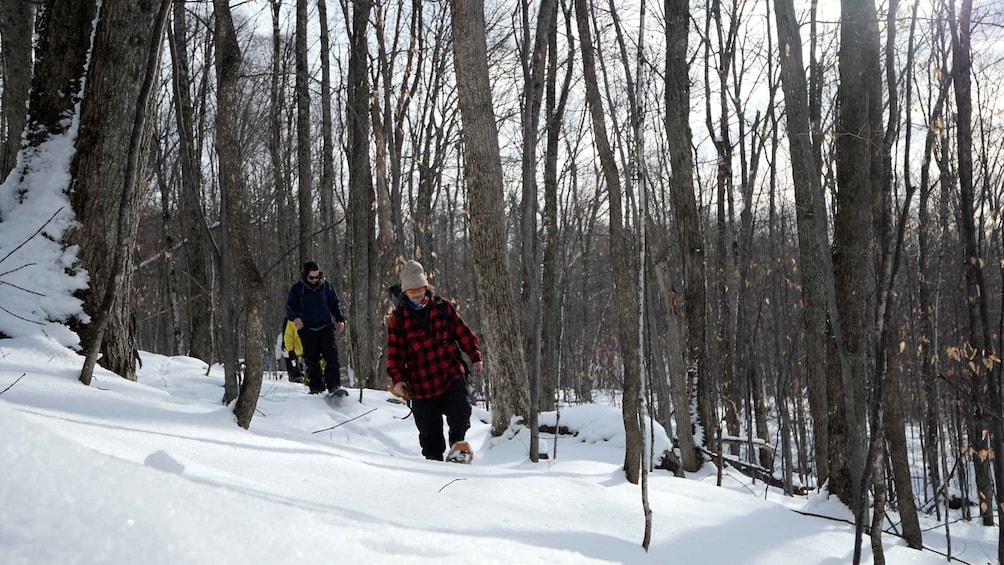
(428, 359)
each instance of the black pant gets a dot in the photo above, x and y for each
(429, 419)
(318, 344)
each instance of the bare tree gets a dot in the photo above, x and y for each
(106, 188)
(551, 279)
(533, 64)
(622, 259)
(198, 237)
(888, 410)
(16, 27)
(326, 188)
(232, 188)
(361, 212)
(483, 168)
(688, 223)
(811, 212)
(985, 429)
(304, 160)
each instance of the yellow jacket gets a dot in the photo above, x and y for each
(291, 339)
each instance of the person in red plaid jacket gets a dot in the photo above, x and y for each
(424, 338)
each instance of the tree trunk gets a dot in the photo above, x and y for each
(724, 284)
(984, 430)
(64, 32)
(855, 255)
(533, 64)
(386, 130)
(926, 277)
(805, 174)
(286, 215)
(688, 221)
(551, 280)
(326, 188)
(361, 213)
(621, 257)
(898, 452)
(198, 237)
(682, 395)
(228, 67)
(888, 409)
(483, 172)
(109, 174)
(16, 27)
(304, 170)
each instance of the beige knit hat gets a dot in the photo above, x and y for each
(413, 275)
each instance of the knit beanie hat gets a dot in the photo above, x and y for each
(413, 275)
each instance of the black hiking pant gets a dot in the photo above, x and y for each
(429, 414)
(320, 344)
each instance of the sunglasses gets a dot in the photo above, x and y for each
(315, 278)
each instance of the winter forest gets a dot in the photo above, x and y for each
(774, 227)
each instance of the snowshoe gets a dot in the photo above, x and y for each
(338, 393)
(460, 452)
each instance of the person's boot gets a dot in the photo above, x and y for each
(460, 452)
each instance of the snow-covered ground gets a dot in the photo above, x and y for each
(158, 472)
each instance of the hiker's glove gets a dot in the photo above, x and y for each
(477, 367)
(400, 390)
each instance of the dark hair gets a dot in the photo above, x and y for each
(395, 291)
(309, 266)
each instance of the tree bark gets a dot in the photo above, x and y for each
(483, 172)
(305, 179)
(198, 237)
(622, 258)
(16, 26)
(232, 185)
(690, 457)
(361, 212)
(106, 187)
(688, 221)
(985, 430)
(64, 37)
(552, 278)
(805, 173)
(326, 187)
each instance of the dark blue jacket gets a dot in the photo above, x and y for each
(313, 305)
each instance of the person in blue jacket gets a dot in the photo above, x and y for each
(311, 304)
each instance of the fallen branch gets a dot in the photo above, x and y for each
(343, 423)
(756, 472)
(450, 483)
(12, 384)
